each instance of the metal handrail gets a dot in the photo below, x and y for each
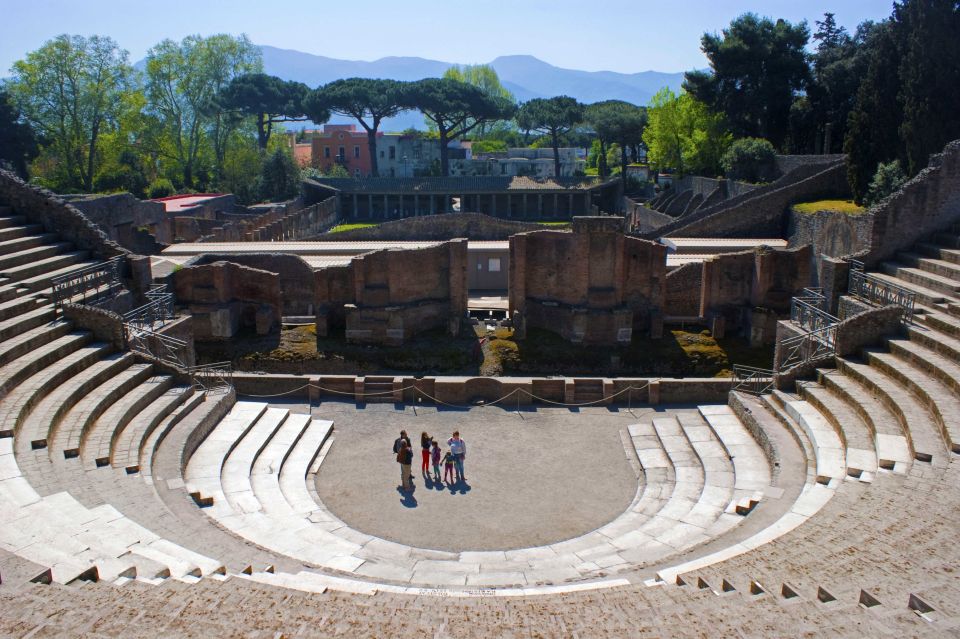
(755, 381)
(808, 347)
(879, 291)
(83, 280)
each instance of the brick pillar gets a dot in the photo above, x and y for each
(516, 282)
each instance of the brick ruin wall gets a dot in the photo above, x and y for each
(594, 285)
(295, 276)
(473, 226)
(682, 291)
(763, 278)
(389, 296)
(225, 298)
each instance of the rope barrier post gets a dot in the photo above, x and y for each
(518, 405)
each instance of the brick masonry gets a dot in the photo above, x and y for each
(224, 297)
(594, 285)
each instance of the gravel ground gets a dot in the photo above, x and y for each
(535, 478)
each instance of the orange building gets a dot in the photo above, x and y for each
(342, 144)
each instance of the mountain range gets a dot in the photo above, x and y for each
(523, 75)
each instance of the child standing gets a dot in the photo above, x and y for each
(448, 467)
(435, 457)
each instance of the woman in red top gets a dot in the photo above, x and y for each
(425, 453)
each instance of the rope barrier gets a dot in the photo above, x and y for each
(604, 399)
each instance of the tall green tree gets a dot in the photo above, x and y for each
(455, 108)
(70, 91)
(757, 67)
(616, 121)
(872, 126)
(368, 101)
(267, 99)
(183, 80)
(18, 145)
(684, 135)
(552, 117)
(929, 77)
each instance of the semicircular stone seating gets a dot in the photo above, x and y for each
(838, 503)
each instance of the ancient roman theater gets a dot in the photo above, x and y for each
(166, 470)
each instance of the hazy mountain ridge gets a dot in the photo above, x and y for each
(524, 75)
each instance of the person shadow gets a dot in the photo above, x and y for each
(407, 500)
(432, 483)
(459, 487)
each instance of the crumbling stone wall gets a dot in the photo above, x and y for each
(225, 298)
(44, 207)
(735, 283)
(928, 203)
(682, 291)
(120, 215)
(594, 285)
(295, 276)
(760, 213)
(105, 325)
(388, 296)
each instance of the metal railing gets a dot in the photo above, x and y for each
(807, 347)
(212, 378)
(174, 352)
(163, 348)
(159, 310)
(96, 281)
(810, 317)
(872, 289)
(754, 381)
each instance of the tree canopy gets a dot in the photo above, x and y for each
(183, 80)
(69, 90)
(757, 68)
(684, 135)
(552, 117)
(619, 122)
(17, 143)
(269, 100)
(362, 99)
(455, 108)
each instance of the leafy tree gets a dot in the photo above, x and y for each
(929, 77)
(757, 67)
(161, 187)
(875, 119)
(751, 160)
(360, 98)
(619, 122)
(183, 80)
(552, 117)
(888, 178)
(683, 134)
(489, 146)
(485, 78)
(269, 100)
(125, 174)
(18, 146)
(69, 90)
(455, 108)
(279, 177)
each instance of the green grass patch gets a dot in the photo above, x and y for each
(340, 228)
(834, 206)
(554, 223)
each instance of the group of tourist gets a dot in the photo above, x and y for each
(430, 453)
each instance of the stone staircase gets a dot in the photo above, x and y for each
(127, 498)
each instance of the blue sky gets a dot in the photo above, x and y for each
(616, 35)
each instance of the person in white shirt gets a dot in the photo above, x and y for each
(459, 449)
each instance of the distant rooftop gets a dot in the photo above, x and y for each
(176, 203)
